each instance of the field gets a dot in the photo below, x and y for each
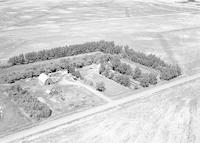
(170, 116)
(184, 47)
(27, 26)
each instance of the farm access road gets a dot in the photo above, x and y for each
(62, 122)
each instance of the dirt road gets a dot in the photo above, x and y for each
(77, 116)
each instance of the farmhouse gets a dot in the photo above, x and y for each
(45, 79)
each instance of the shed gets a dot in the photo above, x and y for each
(45, 79)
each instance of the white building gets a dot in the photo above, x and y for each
(45, 79)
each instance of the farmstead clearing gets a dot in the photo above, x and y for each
(99, 71)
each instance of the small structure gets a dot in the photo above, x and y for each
(45, 79)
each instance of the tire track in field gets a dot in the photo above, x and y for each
(167, 48)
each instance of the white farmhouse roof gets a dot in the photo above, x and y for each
(43, 78)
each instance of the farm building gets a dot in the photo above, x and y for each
(45, 79)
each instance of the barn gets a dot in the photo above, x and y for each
(45, 79)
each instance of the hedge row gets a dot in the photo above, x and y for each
(31, 57)
(167, 71)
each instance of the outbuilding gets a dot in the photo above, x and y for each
(45, 79)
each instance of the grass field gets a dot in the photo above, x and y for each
(170, 116)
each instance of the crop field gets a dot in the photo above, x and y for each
(168, 116)
(30, 25)
(184, 46)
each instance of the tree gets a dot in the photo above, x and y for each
(21, 59)
(31, 57)
(45, 111)
(106, 72)
(13, 60)
(71, 68)
(108, 49)
(167, 73)
(122, 79)
(115, 62)
(144, 80)
(152, 79)
(77, 74)
(124, 68)
(110, 75)
(137, 73)
(102, 68)
(178, 69)
(100, 86)
(28, 102)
